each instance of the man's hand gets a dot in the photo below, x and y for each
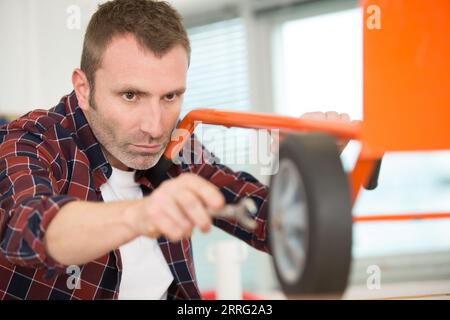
(327, 116)
(330, 116)
(82, 231)
(176, 207)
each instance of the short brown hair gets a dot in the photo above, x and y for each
(156, 25)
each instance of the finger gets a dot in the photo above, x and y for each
(175, 213)
(332, 115)
(206, 191)
(151, 231)
(344, 117)
(314, 115)
(169, 228)
(194, 209)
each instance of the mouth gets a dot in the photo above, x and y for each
(150, 148)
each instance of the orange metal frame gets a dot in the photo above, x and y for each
(357, 178)
(406, 93)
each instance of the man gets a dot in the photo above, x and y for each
(78, 201)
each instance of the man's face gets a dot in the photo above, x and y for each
(137, 102)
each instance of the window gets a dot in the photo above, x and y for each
(318, 67)
(320, 64)
(218, 79)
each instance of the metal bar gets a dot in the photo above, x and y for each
(402, 217)
(252, 120)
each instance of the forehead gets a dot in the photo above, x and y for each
(125, 60)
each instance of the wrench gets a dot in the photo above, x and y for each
(242, 212)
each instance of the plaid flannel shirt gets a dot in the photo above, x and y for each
(49, 158)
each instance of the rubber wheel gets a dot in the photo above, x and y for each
(310, 219)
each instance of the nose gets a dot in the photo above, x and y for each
(151, 122)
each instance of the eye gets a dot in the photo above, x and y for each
(129, 96)
(170, 97)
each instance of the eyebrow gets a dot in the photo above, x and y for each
(126, 88)
(179, 91)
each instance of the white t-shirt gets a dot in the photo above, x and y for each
(145, 273)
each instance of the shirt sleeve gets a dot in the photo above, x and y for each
(29, 199)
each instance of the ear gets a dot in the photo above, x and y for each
(81, 87)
